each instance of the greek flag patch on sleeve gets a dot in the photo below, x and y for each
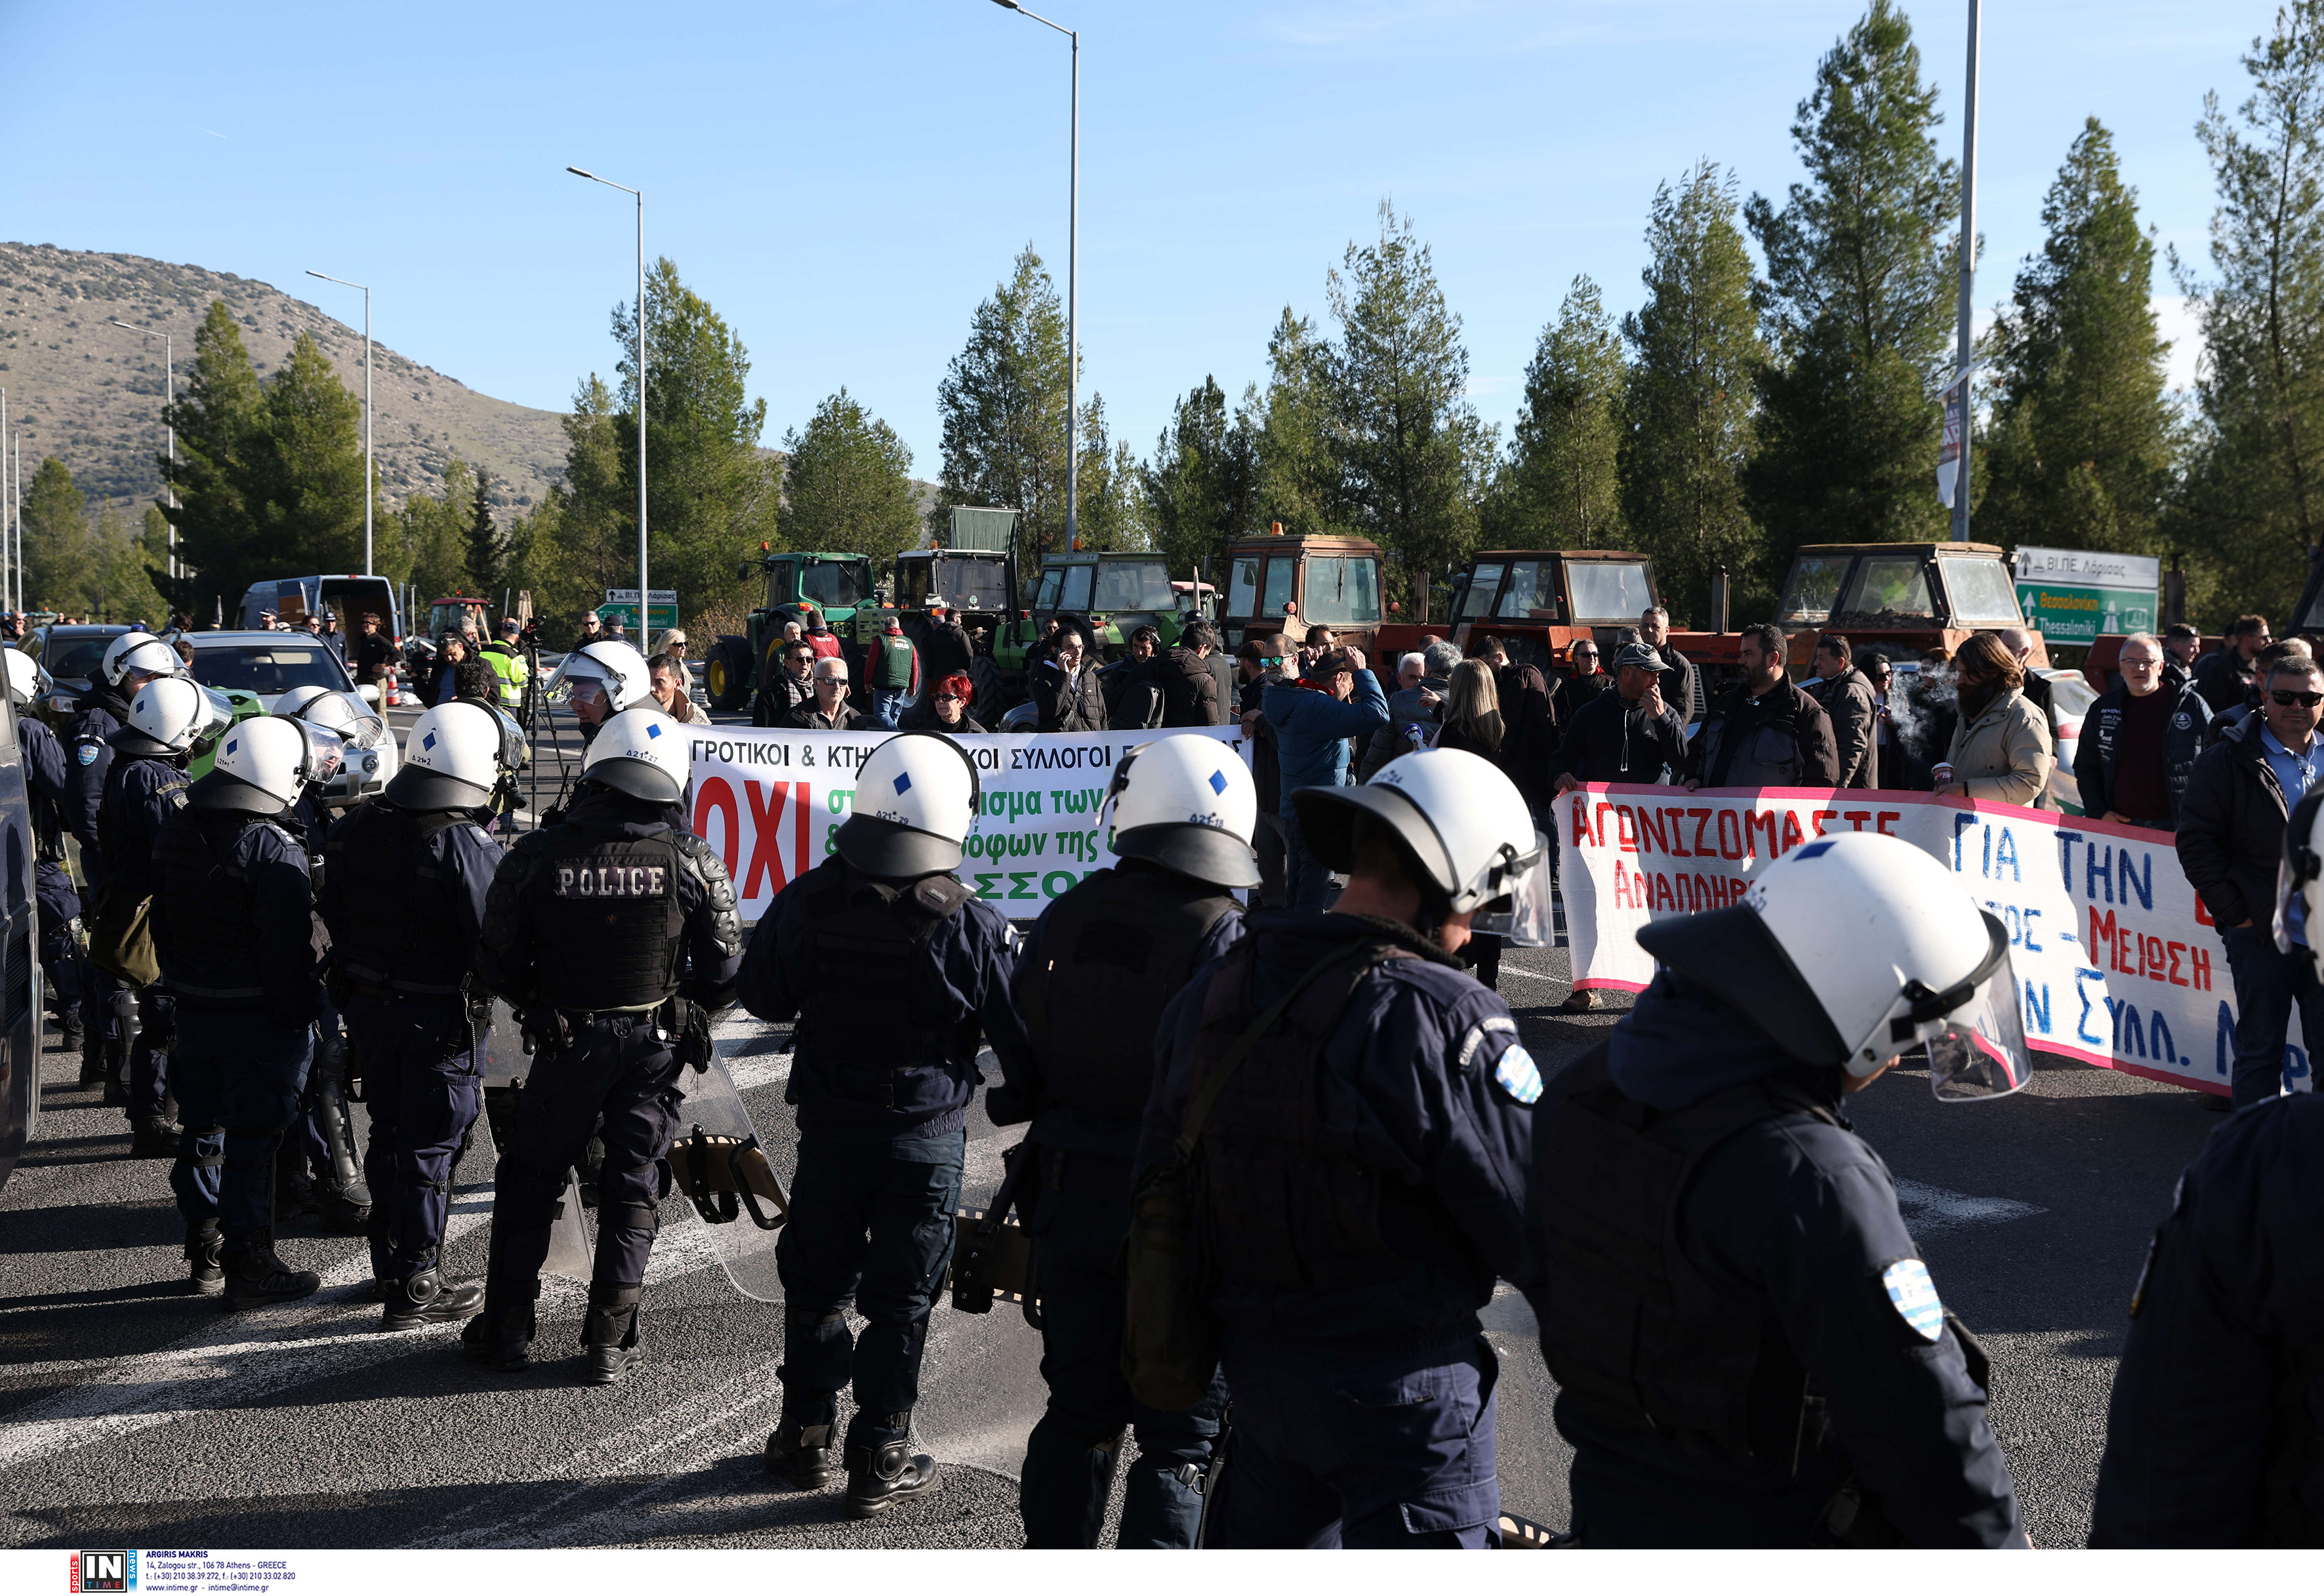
(1517, 1074)
(1915, 1296)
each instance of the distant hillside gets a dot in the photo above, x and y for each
(91, 394)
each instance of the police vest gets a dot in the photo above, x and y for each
(604, 918)
(869, 1003)
(1635, 1334)
(1278, 1204)
(895, 668)
(392, 938)
(207, 894)
(1116, 949)
(120, 847)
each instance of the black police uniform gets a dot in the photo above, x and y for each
(890, 984)
(1091, 982)
(1363, 1179)
(1750, 1350)
(233, 923)
(2216, 1433)
(321, 1162)
(403, 894)
(593, 927)
(88, 753)
(49, 788)
(142, 792)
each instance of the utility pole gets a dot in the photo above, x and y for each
(169, 395)
(7, 569)
(1072, 283)
(644, 609)
(1968, 280)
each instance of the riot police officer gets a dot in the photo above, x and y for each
(107, 1006)
(1360, 1142)
(2215, 1437)
(404, 898)
(602, 679)
(233, 923)
(144, 786)
(613, 935)
(1091, 982)
(48, 790)
(1750, 1350)
(891, 968)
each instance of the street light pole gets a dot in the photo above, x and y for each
(1968, 277)
(169, 396)
(643, 609)
(6, 571)
(368, 494)
(1072, 282)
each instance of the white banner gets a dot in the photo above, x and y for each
(769, 801)
(2118, 960)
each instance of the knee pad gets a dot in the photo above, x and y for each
(628, 1216)
(815, 1316)
(522, 1180)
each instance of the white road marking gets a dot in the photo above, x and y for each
(1929, 1208)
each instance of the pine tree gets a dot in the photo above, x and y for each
(487, 548)
(1689, 432)
(1412, 452)
(596, 520)
(433, 530)
(2254, 502)
(1002, 402)
(2079, 451)
(1859, 304)
(61, 559)
(1202, 483)
(303, 470)
(214, 416)
(1558, 490)
(848, 485)
(1113, 513)
(1298, 479)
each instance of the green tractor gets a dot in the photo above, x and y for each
(797, 583)
(1117, 594)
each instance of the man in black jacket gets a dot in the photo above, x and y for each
(1578, 686)
(828, 711)
(1682, 684)
(1765, 731)
(2239, 795)
(1628, 734)
(2224, 678)
(1190, 692)
(2138, 742)
(1065, 686)
(1847, 696)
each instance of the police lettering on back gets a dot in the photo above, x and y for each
(613, 880)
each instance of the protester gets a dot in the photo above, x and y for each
(2224, 678)
(1847, 696)
(1629, 734)
(2002, 749)
(373, 653)
(894, 670)
(1886, 699)
(2232, 720)
(1765, 731)
(1259, 663)
(945, 646)
(2138, 742)
(829, 712)
(1335, 699)
(1681, 685)
(2033, 685)
(1413, 709)
(670, 690)
(2238, 797)
(1582, 682)
(2181, 644)
(451, 650)
(1064, 686)
(1528, 728)
(1190, 693)
(1472, 712)
(1131, 686)
(949, 705)
(820, 636)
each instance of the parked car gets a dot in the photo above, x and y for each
(70, 655)
(258, 666)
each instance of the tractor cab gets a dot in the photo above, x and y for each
(1905, 597)
(1332, 581)
(1538, 603)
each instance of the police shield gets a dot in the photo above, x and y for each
(717, 1163)
(572, 1251)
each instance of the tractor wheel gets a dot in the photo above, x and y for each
(726, 674)
(992, 694)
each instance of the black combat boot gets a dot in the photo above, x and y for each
(500, 1337)
(92, 1055)
(68, 1039)
(427, 1297)
(334, 1211)
(610, 1333)
(294, 1193)
(204, 1248)
(879, 1477)
(152, 1138)
(256, 1276)
(799, 1450)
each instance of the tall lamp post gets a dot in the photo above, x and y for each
(639, 194)
(7, 576)
(169, 396)
(368, 495)
(1073, 280)
(1968, 277)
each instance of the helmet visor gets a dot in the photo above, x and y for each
(326, 750)
(358, 725)
(218, 715)
(1980, 1052)
(514, 750)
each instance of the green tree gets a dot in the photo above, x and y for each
(136, 565)
(1859, 304)
(432, 531)
(1559, 487)
(2079, 450)
(62, 563)
(1002, 404)
(1689, 432)
(2253, 503)
(1295, 458)
(1202, 487)
(304, 469)
(711, 494)
(1412, 452)
(848, 485)
(487, 544)
(540, 562)
(596, 521)
(214, 416)
(1112, 511)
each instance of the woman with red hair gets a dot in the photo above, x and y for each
(948, 701)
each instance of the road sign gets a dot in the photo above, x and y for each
(662, 616)
(2075, 595)
(628, 595)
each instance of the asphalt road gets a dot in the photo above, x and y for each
(131, 1413)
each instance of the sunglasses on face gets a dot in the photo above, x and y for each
(2287, 697)
(950, 698)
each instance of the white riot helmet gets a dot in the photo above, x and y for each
(616, 667)
(915, 798)
(1188, 804)
(135, 652)
(335, 710)
(453, 759)
(28, 678)
(169, 714)
(1854, 948)
(642, 752)
(264, 764)
(1462, 822)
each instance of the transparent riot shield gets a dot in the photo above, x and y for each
(572, 1251)
(717, 1163)
(572, 1247)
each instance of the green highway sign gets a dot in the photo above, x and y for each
(2075, 595)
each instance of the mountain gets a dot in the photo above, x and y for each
(90, 393)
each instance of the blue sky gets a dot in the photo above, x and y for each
(844, 180)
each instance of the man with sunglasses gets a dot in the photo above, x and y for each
(828, 710)
(2239, 795)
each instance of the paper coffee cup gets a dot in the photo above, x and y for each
(1943, 773)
